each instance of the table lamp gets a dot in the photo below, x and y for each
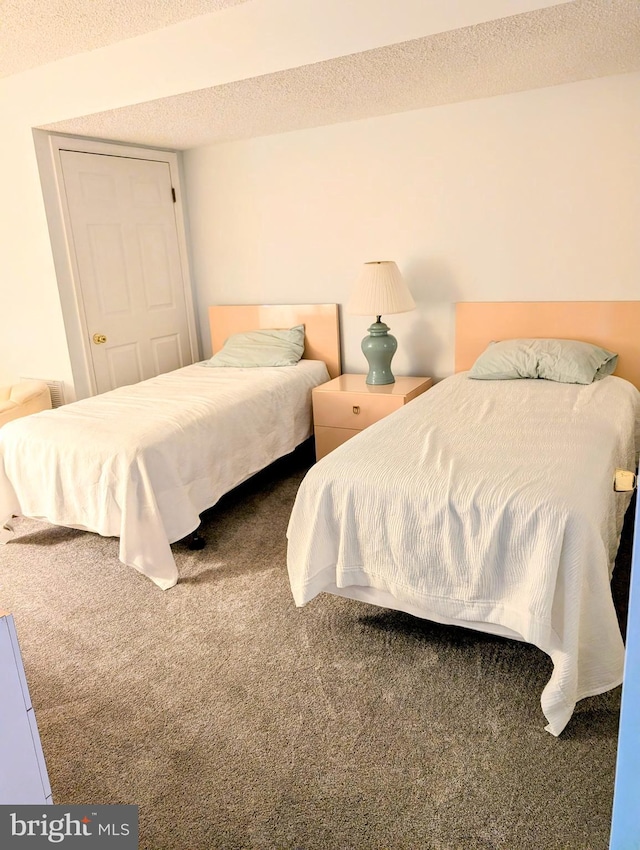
(380, 288)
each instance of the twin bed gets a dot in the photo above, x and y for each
(483, 503)
(490, 504)
(144, 461)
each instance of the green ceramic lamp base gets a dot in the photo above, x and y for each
(379, 348)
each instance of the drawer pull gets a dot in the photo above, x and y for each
(356, 409)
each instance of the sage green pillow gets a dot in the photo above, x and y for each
(261, 348)
(568, 361)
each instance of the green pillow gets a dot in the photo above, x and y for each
(261, 348)
(568, 361)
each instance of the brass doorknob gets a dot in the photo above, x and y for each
(99, 339)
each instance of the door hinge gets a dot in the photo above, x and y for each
(173, 194)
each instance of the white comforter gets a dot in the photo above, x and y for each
(142, 462)
(484, 502)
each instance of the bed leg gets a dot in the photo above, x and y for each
(195, 540)
(6, 532)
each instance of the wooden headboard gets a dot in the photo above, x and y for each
(321, 327)
(614, 325)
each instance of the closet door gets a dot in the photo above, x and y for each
(125, 246)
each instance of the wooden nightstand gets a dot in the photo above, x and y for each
(347, 405)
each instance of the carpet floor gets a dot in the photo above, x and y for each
(237, 722)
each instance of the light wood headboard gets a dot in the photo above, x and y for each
(321, 326)
(614, 325)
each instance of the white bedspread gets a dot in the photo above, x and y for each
(142, 462)
(484, 501)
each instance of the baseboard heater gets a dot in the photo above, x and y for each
(56, 388)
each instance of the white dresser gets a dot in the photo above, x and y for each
(23, 772)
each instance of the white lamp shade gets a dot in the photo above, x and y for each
(380, 290)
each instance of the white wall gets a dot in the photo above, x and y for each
(528, 196)
(259, 37)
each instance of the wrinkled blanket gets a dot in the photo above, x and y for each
(484, 501)
(143, 461)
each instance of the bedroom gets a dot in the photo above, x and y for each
(460, 193)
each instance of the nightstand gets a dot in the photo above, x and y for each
(347, 405)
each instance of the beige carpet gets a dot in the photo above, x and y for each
(238, 722)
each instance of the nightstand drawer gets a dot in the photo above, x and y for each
(351, 410)
(328, 439)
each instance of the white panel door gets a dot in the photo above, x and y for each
(125, 242)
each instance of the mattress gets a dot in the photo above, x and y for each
(143, 461)
(488, 504)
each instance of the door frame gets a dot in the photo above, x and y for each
(48, 147)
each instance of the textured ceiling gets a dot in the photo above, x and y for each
(34, 32)
(574, 41)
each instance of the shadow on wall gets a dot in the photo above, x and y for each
(432, 337)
